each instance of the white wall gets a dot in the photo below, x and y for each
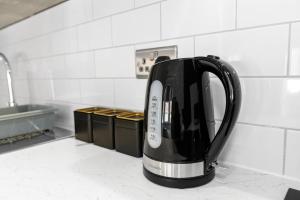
(81, 53)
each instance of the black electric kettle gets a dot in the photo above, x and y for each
(180, 145)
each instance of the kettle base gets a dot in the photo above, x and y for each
(180, 182)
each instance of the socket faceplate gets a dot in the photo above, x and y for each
(145, 59)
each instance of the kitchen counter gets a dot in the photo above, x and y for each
(71, 169)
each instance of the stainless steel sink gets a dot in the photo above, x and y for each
(16, 120)
(23, 119)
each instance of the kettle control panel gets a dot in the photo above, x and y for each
(145, 58)
(154, 114)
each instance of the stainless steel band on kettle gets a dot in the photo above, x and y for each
(173, 170)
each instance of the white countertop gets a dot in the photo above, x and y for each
(70, 169)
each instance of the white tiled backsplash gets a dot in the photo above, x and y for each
(81, 53)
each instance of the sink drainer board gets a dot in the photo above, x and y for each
(25, 119)
(21, 137)
(25, 140)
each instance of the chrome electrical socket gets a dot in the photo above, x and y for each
(145, 59)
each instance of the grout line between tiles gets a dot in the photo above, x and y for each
(263, 125)
(79, 78)
(129, 44)
(145, 5)
(284, 76)
(284, 151)
(92, 9)
(137, 43)
(289, 50)
(194, 46)
(94, 63)
(77, 38)
(80, 81)
(236, 13)
(160, 21)
(114, 92)
(135, 69)
(111, 32)
(199, 34)
(60, 78)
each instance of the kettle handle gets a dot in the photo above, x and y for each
(231, 83)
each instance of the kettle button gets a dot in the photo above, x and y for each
(213, 57)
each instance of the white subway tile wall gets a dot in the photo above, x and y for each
(295, 50)
(115, 62)
(102, 8)
(234, 47)
(75, 12)
(139, 3)
(94, 91)
(21, 89)
(181, 18)
(67, 90)
(81, 53)
(64, 41)
(3, 87)
(94, 35)
(80, 65)
(292, 154)
(40, 90)
(185, 46)
(268, 152)
(140, 25)
(261, 12)
(127, 97)
(265, 101)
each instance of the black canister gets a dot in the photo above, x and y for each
(104, 127)
(83, 123)
(129, 134)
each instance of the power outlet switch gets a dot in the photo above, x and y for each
(145, 59)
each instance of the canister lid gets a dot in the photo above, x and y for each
(91, 109)
(111, 112)
(132, 116)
